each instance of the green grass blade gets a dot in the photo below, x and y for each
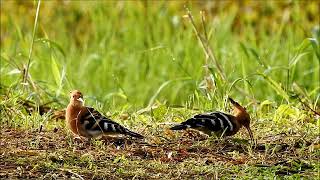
(276, 86)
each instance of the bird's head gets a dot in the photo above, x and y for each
(76, 98)
(242, 116)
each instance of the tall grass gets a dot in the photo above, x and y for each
(135, 53)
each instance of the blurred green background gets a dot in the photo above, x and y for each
(134, 53)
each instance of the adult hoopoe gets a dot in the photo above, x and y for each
(219, 122)
(87, 122)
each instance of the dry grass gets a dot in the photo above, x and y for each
(54, 154)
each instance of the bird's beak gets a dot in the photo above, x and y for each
(250, 134)
(80, 99)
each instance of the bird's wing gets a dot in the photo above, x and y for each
(215, 121)
(95, 123)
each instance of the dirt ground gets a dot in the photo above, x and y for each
(54, 154)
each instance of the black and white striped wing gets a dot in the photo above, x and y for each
(96, 124)
(216, 121)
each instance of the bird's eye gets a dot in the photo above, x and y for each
(73, 96)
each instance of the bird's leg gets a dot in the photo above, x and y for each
(80, 139)
(227, 138)
(77, 138)
(89, 142)
(119, 143)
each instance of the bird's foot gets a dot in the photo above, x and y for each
(78, 139)
(82, 140)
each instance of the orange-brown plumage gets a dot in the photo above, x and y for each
(242, 116)
(87, 122)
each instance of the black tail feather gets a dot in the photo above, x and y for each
(179, 127)
(133, 134)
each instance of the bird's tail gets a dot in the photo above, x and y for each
(179, 127)
(133, 134)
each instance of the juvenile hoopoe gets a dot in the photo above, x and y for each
(219, 122)
(87, 122)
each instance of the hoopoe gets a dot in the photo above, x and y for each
(219, 122)
(87, 122)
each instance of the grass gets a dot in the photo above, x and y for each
(290, 151)
(149, 63)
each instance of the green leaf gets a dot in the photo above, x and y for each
(120, 94)
(296, 58)
(315, 45)
(265, 103)
(244, 48)
(305, 43)
(53, 44)
(257, 57)
(55, 70)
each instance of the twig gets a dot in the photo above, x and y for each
(208, 51)
(26, 73)
(208, 79)
(205, 45)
